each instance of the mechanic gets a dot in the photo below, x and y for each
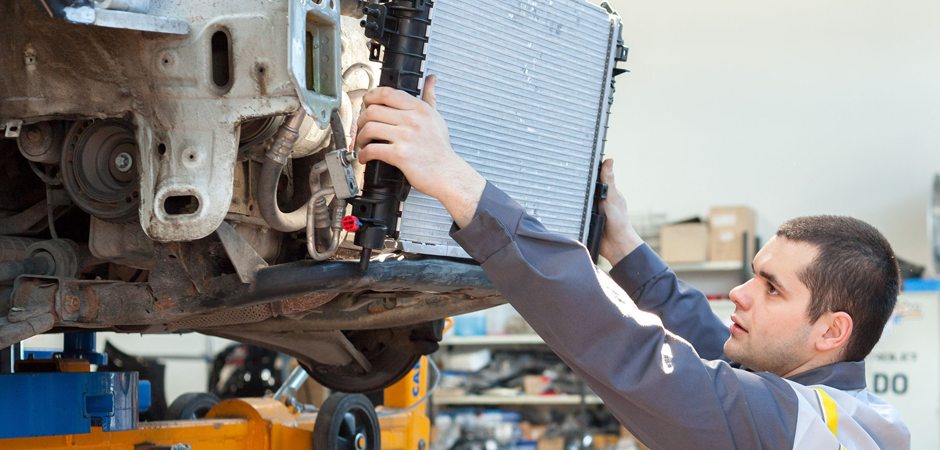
(823, 290)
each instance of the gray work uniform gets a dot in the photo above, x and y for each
(667, 392)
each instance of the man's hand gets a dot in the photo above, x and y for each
(620, 239)
(417, 142)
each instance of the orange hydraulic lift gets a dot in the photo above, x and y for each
(344, 422)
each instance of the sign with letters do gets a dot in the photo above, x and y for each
(904, 368)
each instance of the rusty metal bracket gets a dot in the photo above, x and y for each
(246, 260)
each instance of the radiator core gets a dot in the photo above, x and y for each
(524, 87)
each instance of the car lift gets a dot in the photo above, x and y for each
(60, 404)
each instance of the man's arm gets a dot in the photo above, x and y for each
(649, 281)
(684, 310)
(652, 380)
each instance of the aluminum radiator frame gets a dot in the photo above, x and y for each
(525, 88)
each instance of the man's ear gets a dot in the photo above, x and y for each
(838, 333)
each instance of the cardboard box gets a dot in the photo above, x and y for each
(604, 441)
(628, 441)
(532, 432)
(726, 236)
(555, 443)
(684, 243)
(535, 384)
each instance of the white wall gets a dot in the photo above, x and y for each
(791, 107)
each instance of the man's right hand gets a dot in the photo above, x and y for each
(620, 239)
(408, 133)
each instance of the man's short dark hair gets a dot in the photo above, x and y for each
(855, 272)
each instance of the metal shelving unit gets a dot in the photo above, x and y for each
(516, 400)
(496, 340)
(708, 266)
(742, 266)
(507, 340)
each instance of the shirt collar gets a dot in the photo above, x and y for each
(845, 376)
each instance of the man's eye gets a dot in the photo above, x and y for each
(771, 289)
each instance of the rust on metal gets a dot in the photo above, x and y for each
(89, 305)
(305, 303)
(71, 303)
(164, 303)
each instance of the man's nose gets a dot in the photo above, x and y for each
(741, 297)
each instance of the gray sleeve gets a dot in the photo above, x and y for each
(652, 380)
(684, 310)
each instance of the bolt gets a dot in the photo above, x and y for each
(123, 161)
(34, 135)
(350, 156)
(421, 444)
(72, 303)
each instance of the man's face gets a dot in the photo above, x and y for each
(771, 330)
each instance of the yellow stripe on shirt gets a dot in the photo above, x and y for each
(830, 411)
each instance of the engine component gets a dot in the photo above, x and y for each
(389, 355)
(15, 259)
(315, 57)
(312, 139)
(65, 256)
(245, 259)
(99, 168)
(42, 141)
(120, 243)
(336, 225)
(531, 116)
(36, 265)
(338, 162)
(187, 153)
(127, 14)
(255, 132)
(401, 27)
(275, 159)
(56, 257)
(14, 248)
(31, 221)
(344, 186)
(390, 366)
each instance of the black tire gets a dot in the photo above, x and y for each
(191, 406)
(347, 422)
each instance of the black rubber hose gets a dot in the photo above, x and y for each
(37, 265)
(275, 160)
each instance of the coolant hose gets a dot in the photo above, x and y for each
(275, 159)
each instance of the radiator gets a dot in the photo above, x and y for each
(524, 87)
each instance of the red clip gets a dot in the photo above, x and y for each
(351, 223)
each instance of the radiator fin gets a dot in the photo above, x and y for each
(520, 85)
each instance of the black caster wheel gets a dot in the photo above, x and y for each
(346, 422)
(191, 406)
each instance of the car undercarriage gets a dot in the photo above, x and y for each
(186, 166)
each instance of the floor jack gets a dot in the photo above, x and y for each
(68, 407)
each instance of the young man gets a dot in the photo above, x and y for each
(824, 289)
